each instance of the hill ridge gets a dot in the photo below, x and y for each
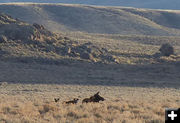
(94, 19)
(154, 4)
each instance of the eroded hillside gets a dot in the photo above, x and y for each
(43, 57)
(33, 43)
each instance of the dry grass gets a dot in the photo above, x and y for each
(34, 104)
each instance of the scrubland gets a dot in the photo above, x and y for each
(29, 103)
(120, 60)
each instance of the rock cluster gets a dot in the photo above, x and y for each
(43, 40)
(15, 29)
(87, 51)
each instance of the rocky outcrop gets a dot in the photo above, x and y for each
(15, 29)
(39, 27)
(6, 19)
(42, 40)
(87, 51)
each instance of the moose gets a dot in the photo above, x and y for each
(95, 98)
(74, 101)
(56, 99)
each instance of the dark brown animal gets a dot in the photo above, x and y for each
(95, 98)
(56, 99)
(74, 101)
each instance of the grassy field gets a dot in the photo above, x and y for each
(134, 94)
(34, 103)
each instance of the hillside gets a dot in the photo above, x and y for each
(38, 44)
(84, 58)
(153, 4)
(91, 19)
(23, 42)
(119, 58)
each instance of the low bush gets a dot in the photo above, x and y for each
(166, 49)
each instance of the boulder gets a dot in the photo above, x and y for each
(39, 27)
(86, 56)
(166, 49)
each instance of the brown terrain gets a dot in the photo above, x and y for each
(43, 60)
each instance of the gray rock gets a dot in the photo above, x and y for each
(37, 26)
(86, 56)
(166, 49)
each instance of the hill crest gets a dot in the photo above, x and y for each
(95, 19)
(153, 4)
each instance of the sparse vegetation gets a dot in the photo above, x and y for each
(3, 39)
(45, 70)
(122, 104)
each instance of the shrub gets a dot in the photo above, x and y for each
(166, 49)
(3, 39)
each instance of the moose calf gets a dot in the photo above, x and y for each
(74, 101)
(56, 99)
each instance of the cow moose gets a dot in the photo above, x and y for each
(95, 98)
